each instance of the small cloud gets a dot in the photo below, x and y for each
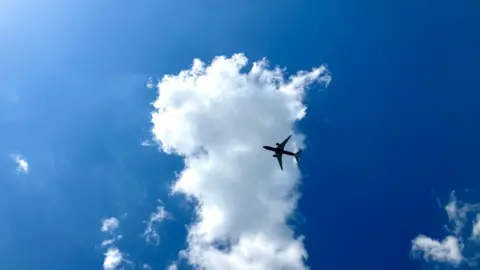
(150, 84)
(156, 217)
(447, 251)
(326, 76)
(146, 267)
(172, 267)
(108, 242)
(455, 248)
(22, 164)
(147, 143)
(476, 228)
(110, 225)
(111, 242)
(456, 213)
(113, 258)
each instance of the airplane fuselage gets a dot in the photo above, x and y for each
(276, 150)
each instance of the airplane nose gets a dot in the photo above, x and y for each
(264, 147)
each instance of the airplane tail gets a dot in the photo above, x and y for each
(297, 154)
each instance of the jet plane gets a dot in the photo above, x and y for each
(279, 151)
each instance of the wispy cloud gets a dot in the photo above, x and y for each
(147, 143)
(217, 117)
(326, 77)
(109, 225)
(476, 228)
(150, 83)
(113, 256)
(151, 236)
(22, 164)
(451, 250)
(108, 242)
(146, 267)
(111, 241)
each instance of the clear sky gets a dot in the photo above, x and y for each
(118, 150)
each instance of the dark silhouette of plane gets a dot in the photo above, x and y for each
(279, 151)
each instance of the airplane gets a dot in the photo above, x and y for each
(279, 151)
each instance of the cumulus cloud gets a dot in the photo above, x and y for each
(113, 258)
(109, 225)
(151, 236)
(22, 164)
(217, 117)
(451, 250)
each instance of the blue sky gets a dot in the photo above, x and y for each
(386, 143)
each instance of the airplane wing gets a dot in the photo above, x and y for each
(279, 158)
(282, 145)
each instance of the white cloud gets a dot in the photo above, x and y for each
(22, 164)
(218, 118)
(146, 143)
(150, 84)
(457, 213)
(476, 228)
(108, 242)
(172, 267)
(448, 251)
(151, 236)
(146, 267)
(112, 241)
(113, 258)
(451, 250)
(109, 225)
(326, 77)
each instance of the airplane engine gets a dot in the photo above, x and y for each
(274, 155)
(277, 143)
